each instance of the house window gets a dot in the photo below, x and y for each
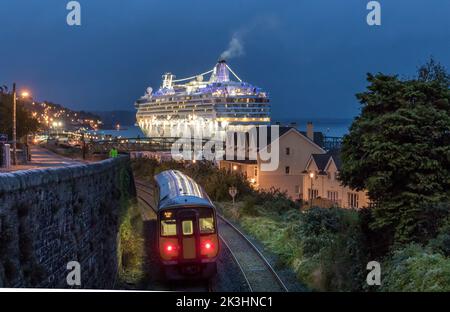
(255, 171)
(288, 151)
(287, 169)
(353, 200)
(336, 175)
(328, 175)
(297, 189)
(332, 195)
(313, 194)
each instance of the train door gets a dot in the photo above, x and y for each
(189, 233)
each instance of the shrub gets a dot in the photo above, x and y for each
(249, 207)
(413, 268)
(441, 243)
(323, 246)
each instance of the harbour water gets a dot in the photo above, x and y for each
(329, 127)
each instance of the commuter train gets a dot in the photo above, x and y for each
(187, 236)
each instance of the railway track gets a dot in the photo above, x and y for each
(259, 274)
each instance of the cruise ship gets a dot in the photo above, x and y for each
(207, 104)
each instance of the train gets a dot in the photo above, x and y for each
(187, 235)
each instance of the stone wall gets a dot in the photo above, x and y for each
(49, 217)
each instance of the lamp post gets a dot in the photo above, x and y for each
(14, 125)
(24, 94)
(311, 175)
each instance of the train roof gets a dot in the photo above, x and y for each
(176, 188)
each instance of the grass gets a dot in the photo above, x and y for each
(131, 247)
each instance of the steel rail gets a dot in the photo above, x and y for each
(262, 257)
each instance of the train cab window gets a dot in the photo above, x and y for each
(188, 227)
(168, 228)
(168, 224)
(206, 225)
(206, 221)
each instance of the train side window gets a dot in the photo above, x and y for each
(188, 227)
(168, 228)
(206, 225)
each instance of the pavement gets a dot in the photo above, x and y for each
(42, 158)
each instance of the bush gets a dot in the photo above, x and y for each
(413, 268)
(131, 248)
(323, 246)
(441, 243)
(249, 207)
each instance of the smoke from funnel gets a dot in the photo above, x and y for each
(235, 48)
(236, 45)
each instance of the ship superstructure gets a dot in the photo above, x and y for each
(196, 104)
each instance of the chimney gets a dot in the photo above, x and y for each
(310, 130)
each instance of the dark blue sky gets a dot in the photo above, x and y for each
(311, 55)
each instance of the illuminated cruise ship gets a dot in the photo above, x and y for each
(209, 103)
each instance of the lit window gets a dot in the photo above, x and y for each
(188, 227)
(168, 227)
(206, 225)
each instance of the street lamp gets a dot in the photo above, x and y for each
(311, 175)
(14, 130)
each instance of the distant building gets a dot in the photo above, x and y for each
(321, 184)
(295, 151)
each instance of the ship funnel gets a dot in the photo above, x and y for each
(167, 80)
(221, 72)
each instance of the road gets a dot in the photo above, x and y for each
(43, 158)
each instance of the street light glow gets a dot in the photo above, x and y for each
(25, 94)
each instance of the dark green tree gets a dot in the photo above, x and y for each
(399, 150)
(25, 122)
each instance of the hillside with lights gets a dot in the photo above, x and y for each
(51, 115)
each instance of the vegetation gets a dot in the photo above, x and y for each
(131, 248)
(324, 247)
(399, 150)
(25, 122)
(131, 238)
(413, 268)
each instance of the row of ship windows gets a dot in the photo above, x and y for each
(220, 100)
(228, 106)
(234, 111)
(163, 117)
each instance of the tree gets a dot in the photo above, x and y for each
(433, 71)
(398, 149)
(25, 122)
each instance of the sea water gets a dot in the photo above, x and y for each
(329, 127)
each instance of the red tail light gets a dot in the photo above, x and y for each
(169, 248)
(208, 246)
